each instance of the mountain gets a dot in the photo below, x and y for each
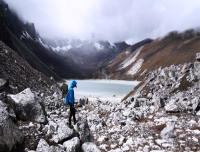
(23, 39)
(135, 62)
(20, 74)
(121, 61)
(89, 54)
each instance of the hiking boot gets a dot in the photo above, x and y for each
(70, 126)
(75, 122)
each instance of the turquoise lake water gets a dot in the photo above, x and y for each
(103, 88)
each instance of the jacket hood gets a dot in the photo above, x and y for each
(73, 84)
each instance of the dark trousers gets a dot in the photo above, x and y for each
(72, 113)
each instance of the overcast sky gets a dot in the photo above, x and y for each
(114, 20)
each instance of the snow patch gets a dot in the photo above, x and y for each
(131, 58)
(98, 46)
(64, 48)
(112, 45)
(40, 40)
(25, 33)
(143, 72)
(136, 67)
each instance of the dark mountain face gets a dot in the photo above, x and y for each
(91, 55)
(23, 39)
(20, 74)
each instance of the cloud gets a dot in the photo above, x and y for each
(114, 20)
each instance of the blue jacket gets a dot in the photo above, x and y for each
(71, 92)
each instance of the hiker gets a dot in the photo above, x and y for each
(71, 102)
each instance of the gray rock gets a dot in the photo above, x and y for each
(4, 82)
(28, 106)
(64, 89)
(43, 146)
(3, 96)
(57, 92)
(83, 129)
(56, 149)
(82, 102)
(186, 67)
(198, 56)
(171, 73)
(72, 145)
(136, 103)
(89, 147)
(168, 132)
(117, 117)
(197, 68)
(52, 127)
(172, 107)
(63, 132)
(9, 133)
(149, 95)
(158, 102)
(164, 73)
(195, 103)
(57, 95)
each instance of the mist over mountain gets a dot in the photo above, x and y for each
(89, 54)
(22, 37)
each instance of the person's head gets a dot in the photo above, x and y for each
(73, 84)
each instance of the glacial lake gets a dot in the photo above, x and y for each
(103, 88)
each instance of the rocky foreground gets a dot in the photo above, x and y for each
(161, 114)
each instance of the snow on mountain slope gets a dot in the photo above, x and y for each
(131, 58)
(136, 67)
(98, 46)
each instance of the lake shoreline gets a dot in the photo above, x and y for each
(103, 87)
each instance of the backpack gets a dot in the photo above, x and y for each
(67, 99)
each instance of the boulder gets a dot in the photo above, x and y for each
(158, 102)
(117, 117)
(197, 68)
(164, 73)
(56, 149)
(57, 96)
(28, 106)
(52, 127)
(171, 73)
(9, 133)
(4, 82)
(186, 67)
(168, 132)
(63, 132)
(89, 147)
(136, 103)
(195, 103)
(72, 145)
(57, 92)
(64, 89)
(82, 102)
(198, 56)
(172, 107)
(83, 129)
(149, 95)
(3, 96)
(43, 146)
